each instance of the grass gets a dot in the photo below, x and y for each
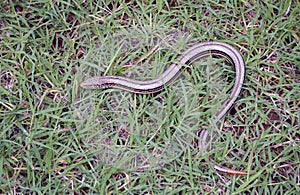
(57, 138)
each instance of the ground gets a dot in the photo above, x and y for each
(57, 138)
